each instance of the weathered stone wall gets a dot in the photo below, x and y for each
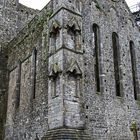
(11, 21)
(29, 119)
(106, 116)
(25, 15)
(13, 17)
(3, 91)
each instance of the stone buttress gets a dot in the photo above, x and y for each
(65, 103)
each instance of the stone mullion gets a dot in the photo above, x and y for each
(78, 40)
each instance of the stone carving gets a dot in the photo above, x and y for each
(74, 23)
(55, 26)
(74, 68)
(54, 70)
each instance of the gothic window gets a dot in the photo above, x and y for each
(18, 84)
(53, 40)
(74, 38)
(134, 71)
(33, 69)
(116, 56)
(54, 34)
(74, 84)
(53, 87)
(55, 79)
(73, 34)
(74, 78)
(71, 37)
(96, 41)
(55, 83)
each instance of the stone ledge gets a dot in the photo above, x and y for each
(66, 134)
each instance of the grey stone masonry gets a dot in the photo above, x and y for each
(65, 68)
(72, 73)
(13, 16)
(3, 91)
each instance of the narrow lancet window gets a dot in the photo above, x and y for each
(116, 56)
(18, 84)
(96, 37)
(33, 75)
(134, 70)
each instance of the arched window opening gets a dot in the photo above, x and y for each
(55, 83)
(33, 76)
(116, 56)
(134, 70)
(54, 36)
(53, 40)
(96, 41)
(74, 34)
(71, 37)
(54, 75)
(18, 84)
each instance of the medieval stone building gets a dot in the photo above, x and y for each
(71, 73)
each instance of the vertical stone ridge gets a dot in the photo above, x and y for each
(3, 91)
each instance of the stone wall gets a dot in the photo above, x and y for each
(28, 120)
(107, 115)
(32, 64)
(13, 16)
(3, 91)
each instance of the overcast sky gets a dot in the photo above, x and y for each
(39, 4)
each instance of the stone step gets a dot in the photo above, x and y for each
(66, 134)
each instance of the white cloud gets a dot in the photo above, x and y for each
(132, 2)
(36, 4)
(39, 4)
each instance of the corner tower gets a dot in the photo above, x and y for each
(65, 93)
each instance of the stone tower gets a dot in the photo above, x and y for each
(65, 83)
